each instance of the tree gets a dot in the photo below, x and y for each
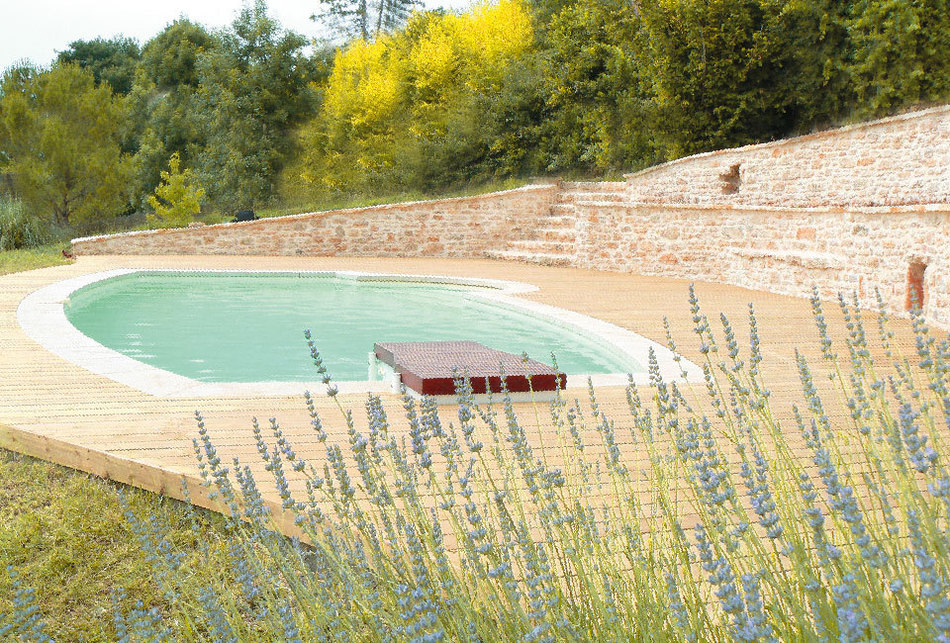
(901, 53)
(170, 59)
(718, 76)
(426, 106)
(163, 104)
(254, 89)
(595, 88)
(60, 134)
(815, 58)
(112, 61)
(178, 199)
(364, 19)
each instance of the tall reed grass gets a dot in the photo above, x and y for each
(18, 229)
(699, 515)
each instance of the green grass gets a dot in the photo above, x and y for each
(66, 534)
(33, 258)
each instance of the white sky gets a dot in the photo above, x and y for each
(38, 29)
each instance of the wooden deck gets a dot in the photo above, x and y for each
(55, 410)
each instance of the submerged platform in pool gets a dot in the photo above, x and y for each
(430, 368)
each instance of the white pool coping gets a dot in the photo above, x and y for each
(43, 319)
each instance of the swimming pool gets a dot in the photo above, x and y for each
(194, 333)
(247, 327)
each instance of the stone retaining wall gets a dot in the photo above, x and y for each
(852, 210)
(785, 251)
(903, 160)
(460, 227)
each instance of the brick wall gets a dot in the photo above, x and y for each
(895, 161)
(459, 227)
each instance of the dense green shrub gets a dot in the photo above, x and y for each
(597, 90)
(900, 53)
(177, 199)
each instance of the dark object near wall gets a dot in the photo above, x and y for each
(244, 215)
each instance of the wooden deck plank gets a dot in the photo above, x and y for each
(55, 410)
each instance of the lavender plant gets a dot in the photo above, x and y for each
(702, 514)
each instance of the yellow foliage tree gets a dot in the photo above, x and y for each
(388, 99)
(366, 86)
(491, 36)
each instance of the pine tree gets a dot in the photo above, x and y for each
(364, 19)
(60, 134)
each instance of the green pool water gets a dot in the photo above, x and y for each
(248, 327)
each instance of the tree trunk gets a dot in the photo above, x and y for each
(61, 212)
(364, 19)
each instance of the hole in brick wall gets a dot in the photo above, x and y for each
(731, 180)
(915, 284)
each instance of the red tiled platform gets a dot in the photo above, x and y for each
(427, 367)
